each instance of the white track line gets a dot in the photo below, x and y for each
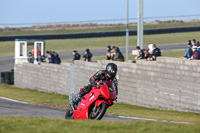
(13, 100)
(146, 119)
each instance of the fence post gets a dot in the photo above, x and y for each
(71, 94)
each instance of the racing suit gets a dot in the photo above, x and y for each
(100, 75)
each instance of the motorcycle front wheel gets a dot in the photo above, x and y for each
(97, 112)
(69, 114)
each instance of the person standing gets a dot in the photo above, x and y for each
(108, 53)
(77, 56)
(87, 55)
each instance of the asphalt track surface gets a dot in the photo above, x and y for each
(7, 62)
(10, 107)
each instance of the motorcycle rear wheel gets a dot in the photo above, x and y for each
(98, 113)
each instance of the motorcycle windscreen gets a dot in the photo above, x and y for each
(112, 90)
(108, 90)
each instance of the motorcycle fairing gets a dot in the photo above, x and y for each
(82, 111)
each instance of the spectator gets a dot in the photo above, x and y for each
(154, 52)
(189, 42)
(108, 53)
(30, 57)
(43, 59)
(46, 56)
(37, 50)
(140, 53)
(112, 54)
(87, 55)
(57, 59)
(146, 55)
(118, 56)
(196, 54)
(189, 52)
(198, 44)
(77, 56)
(193, 42)
(50, 58)
(39, 58)
(113, 48)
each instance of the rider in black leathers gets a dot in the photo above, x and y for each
(105, 75)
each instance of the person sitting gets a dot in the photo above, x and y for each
(112, 54)
(189, 52)
(140, 53)
(43, 58)
(57, 59)
(193, 42)
(108, 53)
(30, 57)
(153, 52)
(118, 56)
(50, 58)
(196, 54)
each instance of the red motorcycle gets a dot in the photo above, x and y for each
(94, 104)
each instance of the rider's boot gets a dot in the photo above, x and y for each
(76, 99)
(80, 95)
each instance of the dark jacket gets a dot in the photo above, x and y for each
(141, 55)
(57, 59)
(30, 58)
(119, 56)
(77, 56)
(102, 75)
(87, 55)
(51, 60)
(109, 49)
(155, 54)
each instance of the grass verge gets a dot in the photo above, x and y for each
(44, 125)
(61, 101)
(7, 48)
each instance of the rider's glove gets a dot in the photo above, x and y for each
(99, 84)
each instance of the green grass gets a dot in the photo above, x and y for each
(7, 48)
(44, 125)
(95, 29)
(33, 96)
(60, 101)
(176, 54)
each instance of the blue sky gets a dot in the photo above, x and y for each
(39, 11)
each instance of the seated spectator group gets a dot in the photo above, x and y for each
(149, 54)
(114, 54)
(49, 57)
(193, 51)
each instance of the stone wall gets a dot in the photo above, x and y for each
(168, 83)
(45, 77)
